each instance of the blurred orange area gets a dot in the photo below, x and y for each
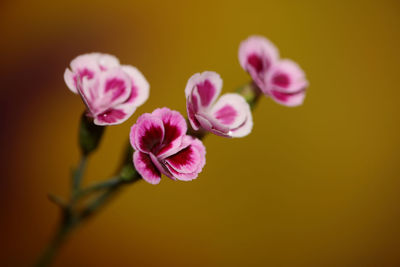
(316, 185)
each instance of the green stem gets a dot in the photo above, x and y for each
(112, 187)
(73, 218)
(56, 242)
(96, 205)
(78, 174)
(99, 186)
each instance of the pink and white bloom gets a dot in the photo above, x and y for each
(229, 116)
(110, 91)
(162, 147)
(283, 80)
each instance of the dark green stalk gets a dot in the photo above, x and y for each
(73, 217)
(64, 227)
(99, 186)
(78, 174)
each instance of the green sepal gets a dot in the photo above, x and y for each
(89, 135)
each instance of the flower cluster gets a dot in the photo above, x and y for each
(161, 140)
(283, 80)
(112, 92)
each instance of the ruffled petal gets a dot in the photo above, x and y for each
(161, 166)
(132, 136)
(192, 107)
(94, 61)
(210, 124)
(231, 110)
(125, 111)
(174, 129)
(191, 116)
(256, 55)
(182, 176)
(287, 76)
(287, 83)
(208, 86)
(87, 66)
(139, 93)
(106, 61)
(112, 116)
(185, 161)
(198, 145)
(245, 128)
(191, 83)
(88, 90)
(140, 86)
(195, 150)
(113, 89)
(69, 79)
(149, 133)
(288, 99)
(146, 168)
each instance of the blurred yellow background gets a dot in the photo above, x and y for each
(316, 185)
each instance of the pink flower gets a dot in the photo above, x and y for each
(162, 147)
(229, 116)
(111, 91)
(283, 80)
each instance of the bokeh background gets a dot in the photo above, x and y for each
(317, 185)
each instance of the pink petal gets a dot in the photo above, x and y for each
(204, 122)
(256, 55)
(231, 110)
(198, 145)
(140, 86)
(113, 89)
(70, 81)
(87, 90)
(191, 115)
(174, 127)
(182, 176)
(87, 77)
(146, 168)
(185, 161)
(210, 124)
(94, 61)
(139, 93)
(128, 109)
(288, 99)
(287, 83)
(208, 86)
(243, 129)
(132, 136)
(106, 61)
(286, 76)
(192, 107)
(191, 83)
(86, 66)
(198, 148)
(226, 114)
(111, 117)
(149, 133)
(160, 166)
(87, 63)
